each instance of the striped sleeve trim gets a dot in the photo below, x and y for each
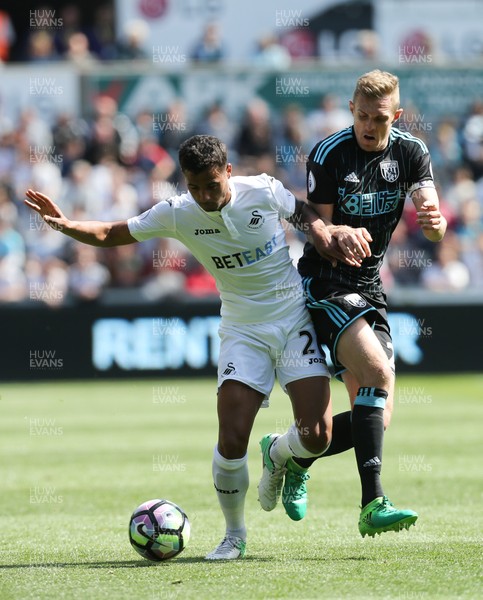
(331, 142)
(397, 133)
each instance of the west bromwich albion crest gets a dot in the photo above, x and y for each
(390, 170)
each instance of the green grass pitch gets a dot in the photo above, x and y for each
(78, 457)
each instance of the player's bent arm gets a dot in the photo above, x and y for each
(353, 242)
(429, 217)
(305, 219)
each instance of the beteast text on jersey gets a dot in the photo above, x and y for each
(246, 257)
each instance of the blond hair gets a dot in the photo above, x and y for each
(377, 84)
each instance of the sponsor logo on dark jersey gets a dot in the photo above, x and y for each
(368, 205)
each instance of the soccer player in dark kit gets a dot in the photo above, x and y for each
(357, 181)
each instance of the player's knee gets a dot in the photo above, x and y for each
(317, 437)
(377, 374)
(232, 444)
(387, 414)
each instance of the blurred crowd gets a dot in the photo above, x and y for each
(109, 166)
(86, 43)
(86, 37)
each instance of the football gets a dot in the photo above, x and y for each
(159, 530)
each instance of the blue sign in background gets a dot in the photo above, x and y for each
(180, 339)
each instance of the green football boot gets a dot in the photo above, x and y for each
(294, 493)
(381, 515)
(270, 485)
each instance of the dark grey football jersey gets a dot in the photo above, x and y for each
(367, 189)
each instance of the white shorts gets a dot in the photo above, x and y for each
(253, 354)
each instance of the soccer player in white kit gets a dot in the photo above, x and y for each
(233, 226)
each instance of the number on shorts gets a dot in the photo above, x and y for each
(307, 348)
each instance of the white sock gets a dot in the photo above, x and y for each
(231, 484)
(289, 445)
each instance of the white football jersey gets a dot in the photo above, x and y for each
(243, 246)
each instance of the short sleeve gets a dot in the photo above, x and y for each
(158, 221)
(321, 185)
(283, 199)
(421, 170)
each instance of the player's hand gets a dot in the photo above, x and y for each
(328, 247)
(48, 210)
(353, 242)
(429, 217)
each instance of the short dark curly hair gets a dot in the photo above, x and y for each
(202, 152)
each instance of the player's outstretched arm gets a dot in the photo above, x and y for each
(430, 219)
(94, 233)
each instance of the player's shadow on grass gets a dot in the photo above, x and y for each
(113, 564)
(110, 564)
(122, 564)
